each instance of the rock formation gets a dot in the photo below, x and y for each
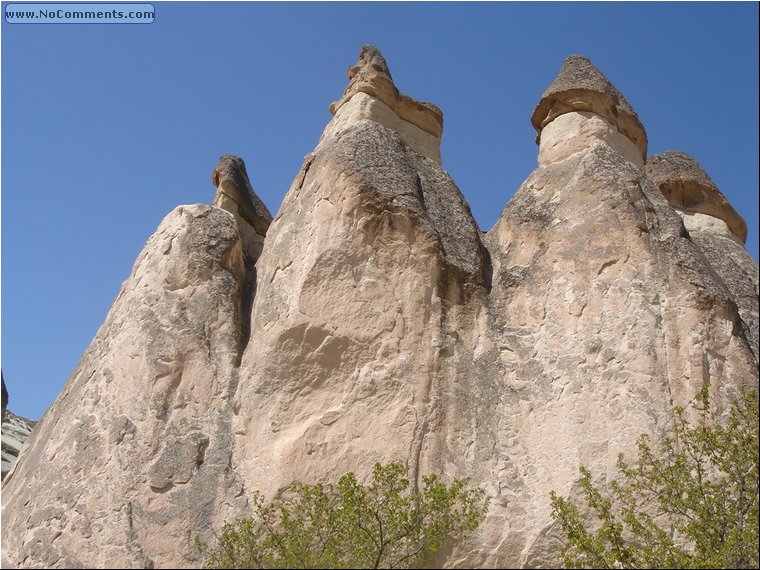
(135, 452)
(714, 225)
(372, 321)
(4, 396)
(15, 431)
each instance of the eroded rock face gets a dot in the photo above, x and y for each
(135, 451)
(373, 324)
(714, 226)
(604, 316)
(690, 190)
(370, 264)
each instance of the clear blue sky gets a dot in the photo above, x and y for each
(105, 129)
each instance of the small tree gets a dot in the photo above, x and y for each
(348, 525)
(694, 504)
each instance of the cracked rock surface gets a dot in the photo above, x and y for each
(372, 321)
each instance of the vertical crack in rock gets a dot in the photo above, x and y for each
(235, 194)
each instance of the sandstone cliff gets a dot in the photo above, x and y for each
(373, 321)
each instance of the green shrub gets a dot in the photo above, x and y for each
(691, 504)
(348, 525)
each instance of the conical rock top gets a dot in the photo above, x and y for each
(689, 188)
(371, 75)
(580, 86)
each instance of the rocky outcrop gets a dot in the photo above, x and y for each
(714, 225)
(15, 431)
(373, 321)
(235, 194)
(604, 316)
(136, 450)
(366, 272)
(694, 195)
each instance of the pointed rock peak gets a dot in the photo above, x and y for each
(370, 61)
(235, 194)
(370, 75)
(689, 189)
(580, 86)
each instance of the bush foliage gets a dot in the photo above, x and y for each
(348, 525)
(692, 503)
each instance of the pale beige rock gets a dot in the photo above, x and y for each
(363, 106)
(365, 271)
(370, 75)
(382, 329)
(696, 222)
(715, 227)
(605, 315)
(690, 189)
(575, 132)
(580, 86)
(135, 451)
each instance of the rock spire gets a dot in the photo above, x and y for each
(580, 86)
(690, 190)
(371, 94)
(233, 187)
(372, 321)
(715, 227)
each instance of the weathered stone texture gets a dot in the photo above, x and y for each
(582, 87)
(384, 327)
(420, 124)
(16, 430)
(605, 315)
(690, 190)
(715, 227)
(373, 243)
(108, 478)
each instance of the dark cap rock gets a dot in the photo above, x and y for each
(231, 178)
(580, 86)
(371, 75)
(688, 187)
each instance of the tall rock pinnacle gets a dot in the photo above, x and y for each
(580, 86)
(372, 95)
(371, 321)
(605, 313)
(372, 263)
(715, 227)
